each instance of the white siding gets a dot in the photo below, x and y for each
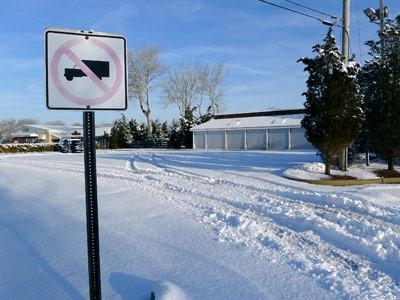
(278, 139)
(298, 140)
(199, 140)
(235, 139)
(216, 140)
(256, 139)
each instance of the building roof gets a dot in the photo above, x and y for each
(55, 128)
(261, 113)
(272, 121)
(59, 131)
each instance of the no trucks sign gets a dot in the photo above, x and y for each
(85, 70)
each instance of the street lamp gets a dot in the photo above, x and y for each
(375, 14)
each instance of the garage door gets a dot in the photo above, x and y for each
(278, 139)
(216, 140)
(235, 139)
(298, 140)
(256, 139)
(199, 140)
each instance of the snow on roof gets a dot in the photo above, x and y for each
(65, 129)
(251, 122)
(56, 128)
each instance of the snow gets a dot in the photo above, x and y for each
(195, 225)
(252, 122)
(316, 171)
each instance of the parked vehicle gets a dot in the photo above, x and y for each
(71, 145)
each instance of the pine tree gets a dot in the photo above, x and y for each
(187, 122)
(134, 128)
(175, 140)
(333, 113)
(156, 129)
(165, 131)
(120, 135)
(380, 81)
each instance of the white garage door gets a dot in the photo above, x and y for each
(278, 139)
(215, 139)
(298, 140)
(256, 139)
(235, 139)
(199, 140)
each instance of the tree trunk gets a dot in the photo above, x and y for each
(327, 169)
(343, 160)
(390, 164)
(149, 125)
(148, 115)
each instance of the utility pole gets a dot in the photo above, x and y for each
(345, 52)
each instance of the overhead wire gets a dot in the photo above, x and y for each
(325, 22)
(312, 9)
(293, 10)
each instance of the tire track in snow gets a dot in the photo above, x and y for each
(254, 224)
(322, 231)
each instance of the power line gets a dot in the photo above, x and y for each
(295, 11)
(312, 9)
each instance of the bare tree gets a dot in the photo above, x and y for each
(202, 73)
(144, 69)
(216, 87)
(181, 88)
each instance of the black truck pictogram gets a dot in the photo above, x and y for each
(99, 68)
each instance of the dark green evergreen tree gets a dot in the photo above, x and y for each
(165, 130)
(187, 122)
(333, 107)
(156, 129)
(207, 116)
(380, 82)
(120, 135)
(135, 130)
(175, 140)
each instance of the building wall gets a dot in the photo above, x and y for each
(235, 139)
(215, 140)
(256, 139)
(252, 139)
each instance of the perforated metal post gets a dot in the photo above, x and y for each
(91, 206)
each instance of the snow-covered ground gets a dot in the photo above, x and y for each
(195, 225)
(316, 171)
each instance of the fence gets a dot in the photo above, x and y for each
(150, 144)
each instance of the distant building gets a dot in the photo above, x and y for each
(54, 133)
(268, 130)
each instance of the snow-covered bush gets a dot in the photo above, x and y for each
(16, 148)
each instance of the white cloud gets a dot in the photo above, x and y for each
(116, 18)
(20, 63)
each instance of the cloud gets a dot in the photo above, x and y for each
(200, 51)
(117, 18)
(254, 71)
(183, 9)
(21, 63)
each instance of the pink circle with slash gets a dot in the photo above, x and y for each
(65, 49)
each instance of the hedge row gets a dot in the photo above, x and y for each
(16, 148)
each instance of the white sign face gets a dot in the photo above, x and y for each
(85, 70)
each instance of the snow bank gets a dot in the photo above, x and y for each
(315, 171)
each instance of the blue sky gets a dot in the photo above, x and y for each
(259, 45)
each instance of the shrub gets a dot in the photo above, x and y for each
(19, 148)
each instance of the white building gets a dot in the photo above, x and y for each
(53, 133)
(269, 130)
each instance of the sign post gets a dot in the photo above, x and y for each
(86, 71)
(92, 223)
